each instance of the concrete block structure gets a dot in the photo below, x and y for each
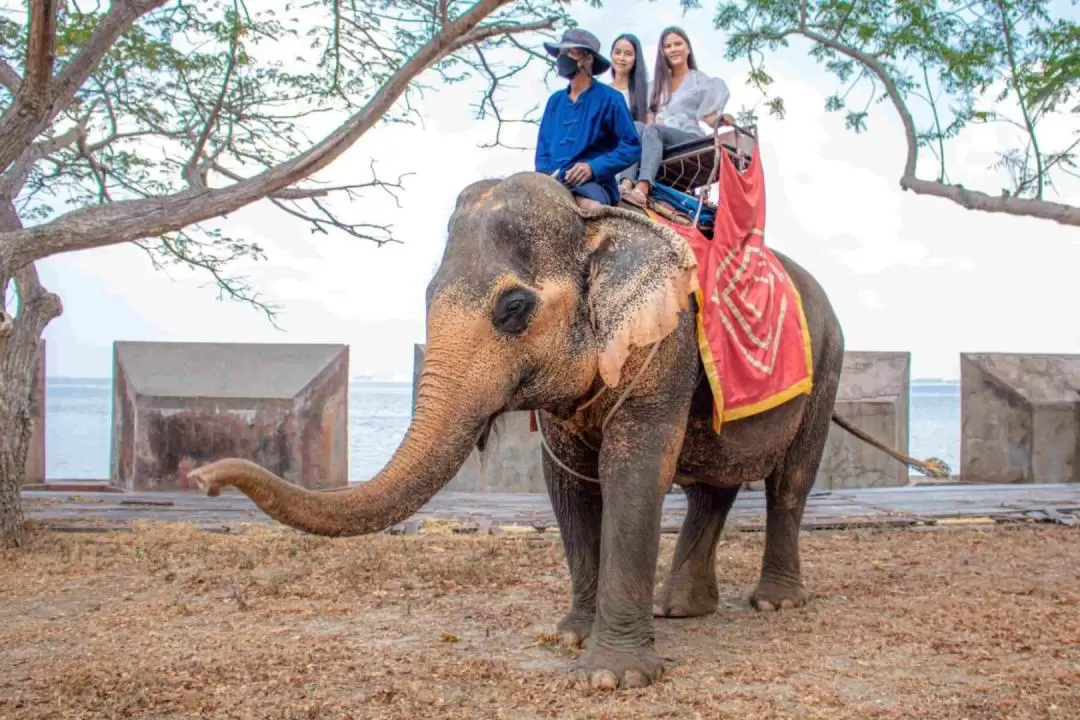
(34, 470)
(1020, 418)
(874, 394)
(511, 461)
(874, 390)
(178, 405)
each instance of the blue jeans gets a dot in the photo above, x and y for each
(593, 191)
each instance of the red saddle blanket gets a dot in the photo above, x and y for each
(752, 331)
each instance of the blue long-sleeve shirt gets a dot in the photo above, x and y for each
(596, 128)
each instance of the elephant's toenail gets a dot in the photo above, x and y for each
(635, 679)
(604, 680)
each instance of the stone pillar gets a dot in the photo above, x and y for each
(874, 394)
(180, 405)
(1020, 418)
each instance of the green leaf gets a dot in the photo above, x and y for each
(1017, 61)
(235, 82)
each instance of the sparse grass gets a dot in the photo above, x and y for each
(168, 621)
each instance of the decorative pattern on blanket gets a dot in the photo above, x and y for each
(752, 331)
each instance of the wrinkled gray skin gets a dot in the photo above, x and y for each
(540, 305)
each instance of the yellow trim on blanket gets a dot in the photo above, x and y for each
(709, 363)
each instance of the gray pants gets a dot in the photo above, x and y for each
(654, 138)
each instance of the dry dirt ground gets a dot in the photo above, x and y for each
(171, 622)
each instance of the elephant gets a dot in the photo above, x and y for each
(587, 316)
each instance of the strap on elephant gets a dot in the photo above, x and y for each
(534, 417)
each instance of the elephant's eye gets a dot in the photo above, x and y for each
(513, 310)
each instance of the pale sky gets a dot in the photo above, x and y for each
(904, 272)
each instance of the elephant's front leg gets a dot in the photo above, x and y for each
(637, 464)
(577, 505)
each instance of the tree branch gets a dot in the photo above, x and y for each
(1014, 73)
(183, 249)
(360, 231)
(191, 169)
(878, 68)
(310, 193)
(9, 78)
(22, 123)
(487, 32)
(128, 220)
(40, 57)
(37, 306)
(1007, 204)
(970, 199)
(12, 181)
(488, 104)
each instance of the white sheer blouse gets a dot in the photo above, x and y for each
(698, 95)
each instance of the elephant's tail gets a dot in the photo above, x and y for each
(932, 467)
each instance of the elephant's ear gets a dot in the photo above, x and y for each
(641, 274)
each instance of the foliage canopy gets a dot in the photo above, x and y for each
(943, 65)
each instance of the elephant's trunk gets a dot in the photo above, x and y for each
(442, 433)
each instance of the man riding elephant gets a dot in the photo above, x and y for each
(586, 133)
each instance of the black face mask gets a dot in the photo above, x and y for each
(566, 66)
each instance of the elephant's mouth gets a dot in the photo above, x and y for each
(485, 429)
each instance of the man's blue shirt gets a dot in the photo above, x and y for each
(596, 128)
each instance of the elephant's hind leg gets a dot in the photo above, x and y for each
(690, 588)
(786, 489)
(578, 506)
(781, 584)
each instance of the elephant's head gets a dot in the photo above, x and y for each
(532, 299)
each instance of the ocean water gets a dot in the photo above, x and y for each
(79, 415)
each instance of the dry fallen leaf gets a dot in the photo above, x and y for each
(958, 622)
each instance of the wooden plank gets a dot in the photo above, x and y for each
(842, 508)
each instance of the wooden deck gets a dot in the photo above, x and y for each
(77, 510)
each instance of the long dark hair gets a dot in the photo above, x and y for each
(661, 91)
(639, 79)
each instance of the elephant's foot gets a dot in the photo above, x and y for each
(608, 669)
(574, 628)
(777, 595)
(693, 598)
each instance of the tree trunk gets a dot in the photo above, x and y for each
(18, 369)
(18, 376)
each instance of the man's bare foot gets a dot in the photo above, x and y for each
(635, 196)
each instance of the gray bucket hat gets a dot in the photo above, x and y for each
(578, 38)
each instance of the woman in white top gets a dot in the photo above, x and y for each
(682, 98)
(629, 76)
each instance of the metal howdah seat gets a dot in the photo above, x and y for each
(692, 165)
